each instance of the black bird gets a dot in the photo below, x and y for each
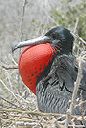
(48, 67)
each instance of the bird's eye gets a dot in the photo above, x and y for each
(54, 35)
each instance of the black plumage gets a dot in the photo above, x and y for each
(55, 84)
(55, 89)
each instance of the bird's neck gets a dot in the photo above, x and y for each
(67, 50)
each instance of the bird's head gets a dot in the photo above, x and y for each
(37, 57)
(59, 37)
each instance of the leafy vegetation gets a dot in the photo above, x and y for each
(68, 18)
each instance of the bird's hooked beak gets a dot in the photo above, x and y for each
(32, 42)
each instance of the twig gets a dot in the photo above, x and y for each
(68, 113)
(23, 99)
(76, 25)
(10, 91)
(40, 113)
(58, 125)
(8, 101)
(76, 86)
(25, 124)
(8, 67)
(75, 31)
(76, 126)
(21, 31)
(16, 96)
(20, 117)
(0, 123)
(13, 60)
(77, 36)
(67, 120)
(81, 102)
(22, 17)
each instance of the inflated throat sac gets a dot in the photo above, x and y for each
(32, 63)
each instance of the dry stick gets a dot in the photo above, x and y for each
(20, 122)
(35, 114)
(20, 97)
(77, 82)
(76, 126)
(76, 26)
(23, 100)
(16, 96)
(0, 123)
(76, 87)
(77, 36)
(74, 33)
(21, 30)
(8, 101)
(57, 124)
(22, 17)
(31, 112)
(13, 60)
(81, 102)
(39, 113)
(67, 120)
(68, 114)
(8, 67)
(8, 90)
(28, 112)
(12, 92)
(28, 124)
(14, 122)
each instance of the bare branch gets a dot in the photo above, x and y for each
(8, 67)
(22, 17)
(76, 86)
(76, 25)
(77, 36)
(38, 113)
(8, 101)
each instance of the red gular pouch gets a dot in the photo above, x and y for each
(33, 61)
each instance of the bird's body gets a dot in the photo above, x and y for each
(49, 70)
(55, 92)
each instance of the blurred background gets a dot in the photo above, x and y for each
(26, 19)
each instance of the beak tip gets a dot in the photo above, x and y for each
(13, 50)
(13, 47)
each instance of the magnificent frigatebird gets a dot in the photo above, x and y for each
(48, 67)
